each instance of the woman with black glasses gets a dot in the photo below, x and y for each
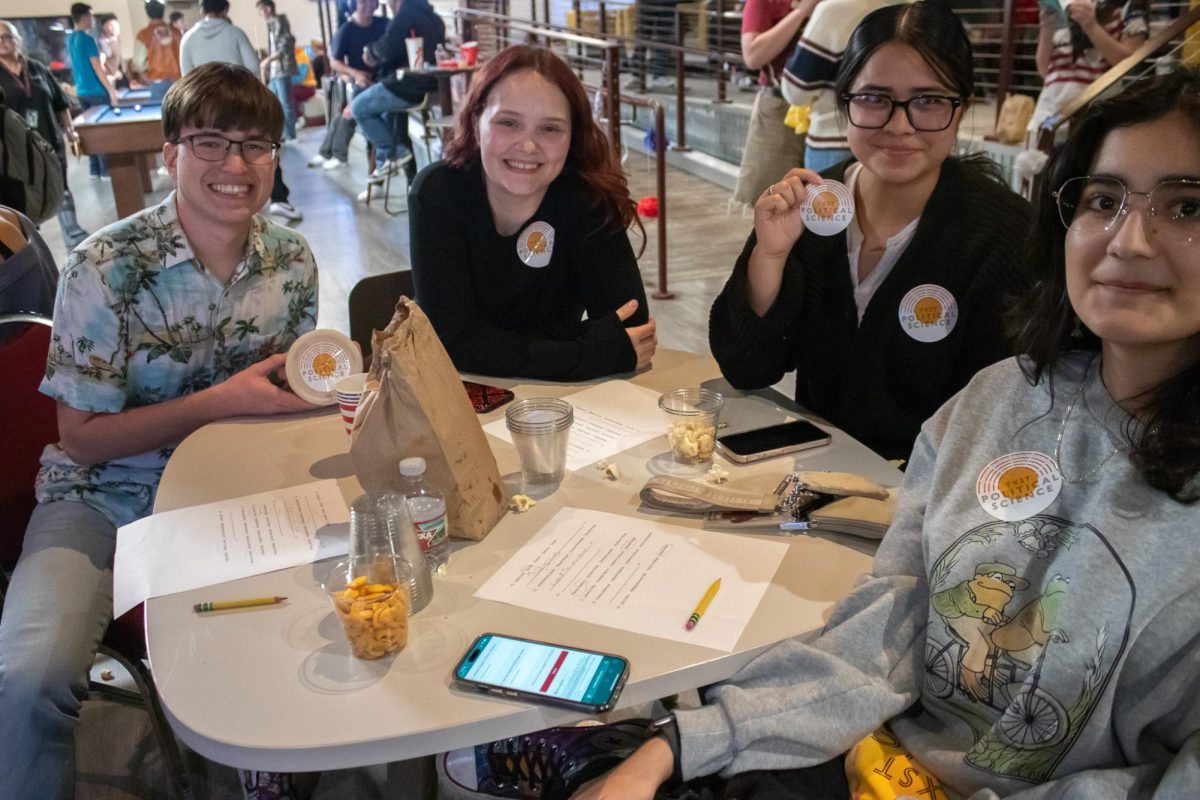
(885, 320)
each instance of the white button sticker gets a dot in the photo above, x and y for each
(928, 313)
(1018, 485)
(535, 245)
(828, 208)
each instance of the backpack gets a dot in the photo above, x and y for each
(31, 175)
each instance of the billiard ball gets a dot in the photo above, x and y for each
(137, 106)
(117, 111)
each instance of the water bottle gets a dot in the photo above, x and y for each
(427, 507)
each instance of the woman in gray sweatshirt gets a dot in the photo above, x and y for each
(1031, 625)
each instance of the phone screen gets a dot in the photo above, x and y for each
(795, 434)
(543, 670)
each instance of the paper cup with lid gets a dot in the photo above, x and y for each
(317, 361)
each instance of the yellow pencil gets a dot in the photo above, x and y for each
(702, 606)
(221, 605)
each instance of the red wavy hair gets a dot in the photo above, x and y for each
(590, 155)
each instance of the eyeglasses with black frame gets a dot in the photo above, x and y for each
(925, 112)
(1094, 204)
(215, 147)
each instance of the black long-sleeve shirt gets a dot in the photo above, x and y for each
(495, 314)
(873, 380)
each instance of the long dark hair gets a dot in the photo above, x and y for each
(1165, 439)
(590, 156)
(929, 28)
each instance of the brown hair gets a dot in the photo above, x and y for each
(221, 96)
(590, 156)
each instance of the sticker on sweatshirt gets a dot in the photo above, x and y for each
(828, 208)
(1018, 485)
(535, 245)
(928, 313)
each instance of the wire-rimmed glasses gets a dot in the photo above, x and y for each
(1095, 204)
(925, 112)
(215, 147)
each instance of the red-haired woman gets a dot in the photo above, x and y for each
(522, 230)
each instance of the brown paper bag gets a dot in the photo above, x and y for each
(421, 409)
(1014, 118)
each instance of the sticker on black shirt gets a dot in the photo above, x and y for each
(928, 313)
(535, 245)
(1018, 485)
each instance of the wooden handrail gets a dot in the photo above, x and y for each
(1118, 71)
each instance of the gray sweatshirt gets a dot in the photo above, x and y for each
(215, 39)
(1052, 656)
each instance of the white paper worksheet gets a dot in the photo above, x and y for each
(609, 417)
(638, 575)
(217, 542)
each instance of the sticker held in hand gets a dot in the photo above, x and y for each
(828, 208)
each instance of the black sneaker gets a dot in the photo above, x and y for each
(545, 765)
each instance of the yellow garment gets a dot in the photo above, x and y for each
(304, 64)
(797, 119)
(878, 768)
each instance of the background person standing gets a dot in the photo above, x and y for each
(215, 38)
(156, 48)
(92, 85)
(280, 63)
(31, 90)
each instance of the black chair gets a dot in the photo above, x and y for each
(373, 301)
(23, 362)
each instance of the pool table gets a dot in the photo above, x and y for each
(127, 135)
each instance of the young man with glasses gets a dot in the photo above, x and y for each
(164, 321)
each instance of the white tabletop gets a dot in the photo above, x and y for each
(276, 688)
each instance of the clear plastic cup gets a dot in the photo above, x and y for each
(540, 429)
(371, 599)
(692, 416)
(381, 526)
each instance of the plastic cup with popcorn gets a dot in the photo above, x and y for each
(692, 416)
(370, 598)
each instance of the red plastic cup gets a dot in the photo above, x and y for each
(470, 53)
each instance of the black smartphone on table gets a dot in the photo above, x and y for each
(526, 669)
(775, 440)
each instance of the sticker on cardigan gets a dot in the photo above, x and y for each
(928, 313)
(535, 245)
(1018, 485)
(828, 208)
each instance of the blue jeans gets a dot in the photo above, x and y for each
(55, 613)
(282, 87)
(371, 109)
(97, 165)
(818, 160)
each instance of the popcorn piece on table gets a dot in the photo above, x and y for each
(521, 503)
(610, 470)
(717, 474)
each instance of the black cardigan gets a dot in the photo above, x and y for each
(498, 316)
(873, 380)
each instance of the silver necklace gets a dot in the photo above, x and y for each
(1062, 428)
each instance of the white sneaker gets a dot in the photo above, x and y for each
(318, 161)
(661, 83)
(286, 210)
(333, 163)
(382, 171)
(362, 196)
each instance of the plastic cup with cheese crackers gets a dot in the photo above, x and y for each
(370, 598)
(317, 361)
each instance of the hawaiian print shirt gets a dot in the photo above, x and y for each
(138, 320)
